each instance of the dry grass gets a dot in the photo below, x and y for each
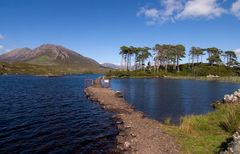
(205, 133)
(231, 120)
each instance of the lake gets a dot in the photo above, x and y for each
(163, 98)
(52, 115)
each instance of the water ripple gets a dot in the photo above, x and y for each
(52, 115)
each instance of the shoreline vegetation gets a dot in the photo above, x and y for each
(232, 79)
(207, 133)
(41, 70)
(164, 61)
(195, 72)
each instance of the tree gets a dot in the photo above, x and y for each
(143, 55)
(214, 55)
(160, 56)
(126, 53)
(130, 52)
(180, 53)
(199, 52)
(166, 54)
(193, 53)
(135, 52)
(123, 53)
(231, 58)
(196, 52)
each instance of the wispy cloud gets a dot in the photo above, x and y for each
(235, 9)
(173, 10)
(1, 37)
(152, 14)
(167, 12)
(201, 8)
(237, 51)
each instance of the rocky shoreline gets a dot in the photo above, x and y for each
(234, 145)
(229, 99)
(137, 133)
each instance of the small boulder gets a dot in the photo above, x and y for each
(118, 94)
(127, 145)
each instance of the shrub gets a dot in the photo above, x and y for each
(231, 121)
(168, 121)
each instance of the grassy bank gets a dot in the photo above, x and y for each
(206, 133)
(31, 69)
(233, 79)
(198, 72)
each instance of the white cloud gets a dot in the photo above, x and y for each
(151, 14)
(201, 8)
(1, 37)
(237, 51)
(172, 10)
(235, 9)
(171, 7)
(154, 15)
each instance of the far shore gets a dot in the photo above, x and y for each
(232, 79)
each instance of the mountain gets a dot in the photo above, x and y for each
(52, 56)
(110, 65)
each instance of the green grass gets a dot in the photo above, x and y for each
(198, 72)
(233, 79)
(205, 133)
(31, 69)
(44, 60)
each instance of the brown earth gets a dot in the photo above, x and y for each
(137, 133)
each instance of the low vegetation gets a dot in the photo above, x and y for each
(31, 69)
(198, 71)
(208, 133)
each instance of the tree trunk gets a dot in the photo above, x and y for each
(135, 63)
(155, 66)
(174, 64)
(177, 64)
(127, 61)
(130, 62)
(122, 63)
(166, 66)
(192, 60)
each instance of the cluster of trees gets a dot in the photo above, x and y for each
(140, 54)
(166, 54)
(214, 56)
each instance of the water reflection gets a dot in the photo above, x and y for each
(161, 98)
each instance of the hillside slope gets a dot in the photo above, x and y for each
(53, 56)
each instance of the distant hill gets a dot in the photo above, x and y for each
(50, 55)
(110, 65)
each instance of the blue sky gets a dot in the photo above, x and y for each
(97, 28)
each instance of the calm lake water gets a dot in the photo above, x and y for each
(162, 98)
(52, 115)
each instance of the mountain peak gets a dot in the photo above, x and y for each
(51, 55)
(48, 45)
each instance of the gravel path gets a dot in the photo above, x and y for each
(137, 134)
